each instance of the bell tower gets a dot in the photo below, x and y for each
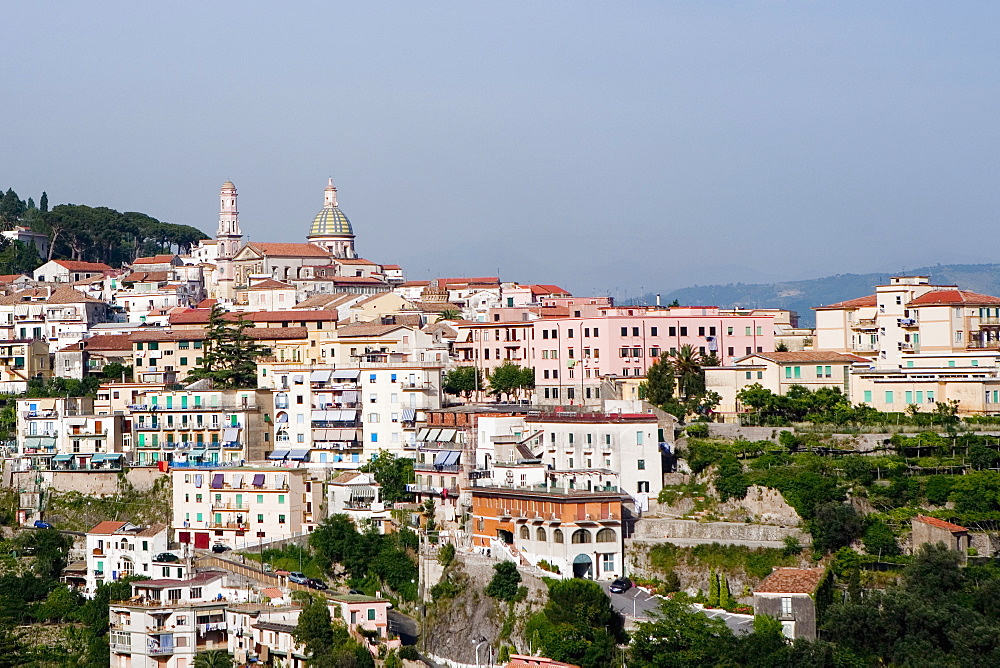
(228, 235)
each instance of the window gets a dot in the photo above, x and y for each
(195, 592)
(653, 331)
(557, 536)
(281, 519)
(581, 536)
(371, 613)
(260, 519)
(174, 594)
(760, 331)
(624, 331)
(671, 331)
(638, 437)
(701, 331)
(260, 499)
(524, 533)
(641, 464)
(868, 396)
(607, 536)
(281, 499)
(540, 534)
(786, 603)
(635, 331)
(608, 562)
(569, 333)
(684, 331)
(797, 371)
(888, 396)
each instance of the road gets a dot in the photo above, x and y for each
(634, 603)
(637, 604)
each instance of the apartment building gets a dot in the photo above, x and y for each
(69, 271)
(66, 434)
(58, 315)
(239, 505)
(777, 371)
(578, 532)
(197, 426)
(923, 343)
(117, 550)
(22, 360)
(167, 622)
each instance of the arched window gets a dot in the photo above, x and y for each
(606, 536)
(524, 533)
(557, 536)
(581, 536)
(540, 534)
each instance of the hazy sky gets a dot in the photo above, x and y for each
(603, 146)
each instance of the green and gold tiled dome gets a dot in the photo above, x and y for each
(330, 221)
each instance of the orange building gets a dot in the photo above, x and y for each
(577, 531)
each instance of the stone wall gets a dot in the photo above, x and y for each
(692, 532)
(91, 483)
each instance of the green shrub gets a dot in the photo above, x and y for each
(879, 539)
(504, 584)
(409, 652)
(730, 481)
(697, 430)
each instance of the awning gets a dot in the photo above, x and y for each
(196, 453)
(298, 454)
(197, 479)
(237, 480)
(258, 479)
(346, 374)
(282, 418)
(321, 416)
(350, 396)
(452, 457)
(231, 434)
(277, 455)
(217, 481)
(447, 435)
(298, 378)
(39, 442)
(363, 492)
(63, 458)
(347, 416)
(433, 434)
(422, 434)
(409, 414)
(319, 376)
(321, 434)
(75, 421)
(440, 457)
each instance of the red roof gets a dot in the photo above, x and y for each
(394, 267)
(953, 297)
(200, 316)
(271, 284)
(806, 356)
(74, 265)
(156, 259)
(289, 250)
(791, 581)
(860, 302)
(108, 342)
(475, 280)
(107, 527)
(940, 524)
(547, 290)
(523, 661)
(354, 260)
(207, 303)
(9, 278)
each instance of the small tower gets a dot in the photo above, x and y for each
(228, 235)
(330, 229)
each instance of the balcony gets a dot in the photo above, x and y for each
(160, 650)
(416, 385)
(230, 505)
(908, 323)
(989, 320)
(228, 525)
(439, 468)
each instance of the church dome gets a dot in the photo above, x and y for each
(228, 185)
(330, 221)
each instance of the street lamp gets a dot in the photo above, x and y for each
(481, 642)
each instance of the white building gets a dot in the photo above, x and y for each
(116, 550)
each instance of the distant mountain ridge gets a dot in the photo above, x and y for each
(802, 296)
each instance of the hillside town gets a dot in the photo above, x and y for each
(222, 450)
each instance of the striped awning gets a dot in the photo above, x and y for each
(409, 414)
(278, 454)
(298, 455)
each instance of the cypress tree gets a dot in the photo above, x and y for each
(713, 589)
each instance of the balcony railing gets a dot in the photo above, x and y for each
(229, 505)
(433, 468)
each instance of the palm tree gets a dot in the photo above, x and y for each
(687, 369)
(449, 314)
(213, 658)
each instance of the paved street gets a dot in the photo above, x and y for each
(638, 604)
(634, 603)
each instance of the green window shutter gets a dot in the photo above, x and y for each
(798, 372)
(819, 372)
(788, 372)
(829, 371)
(909, 397)
(888, 396)
(184, 399)
(868, 396)
(920, 396)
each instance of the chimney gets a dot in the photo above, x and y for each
(657, 298)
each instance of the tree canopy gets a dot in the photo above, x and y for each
(511, 379)
(392, 473)
(229, 353)
(463, 381)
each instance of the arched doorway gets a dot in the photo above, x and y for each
(583, 567)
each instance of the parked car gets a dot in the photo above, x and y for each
(317, 584)
(42, 525)
(166, 558)
(298, 578)
(266, 567)
(219, 548)
(354, 591)
(620, 586)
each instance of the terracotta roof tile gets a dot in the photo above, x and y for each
(288, 250)
(940, 524)
(954, 297)
(791, 581)
(107, 527)
(271, 284)
(366, 329)
(74, 265)
(807, 356)
(860, 302)
(108, 342)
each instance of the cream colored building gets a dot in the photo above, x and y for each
(778, 371)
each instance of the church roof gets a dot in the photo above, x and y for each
(330, 221)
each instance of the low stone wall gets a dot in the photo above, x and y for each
(734, 431)
(656, 530)
(91, 483)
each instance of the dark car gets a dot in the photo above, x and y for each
(166, 558)
(620, 586)
(317, 584)
(354, 591)
(219, 548)
(42, 525)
